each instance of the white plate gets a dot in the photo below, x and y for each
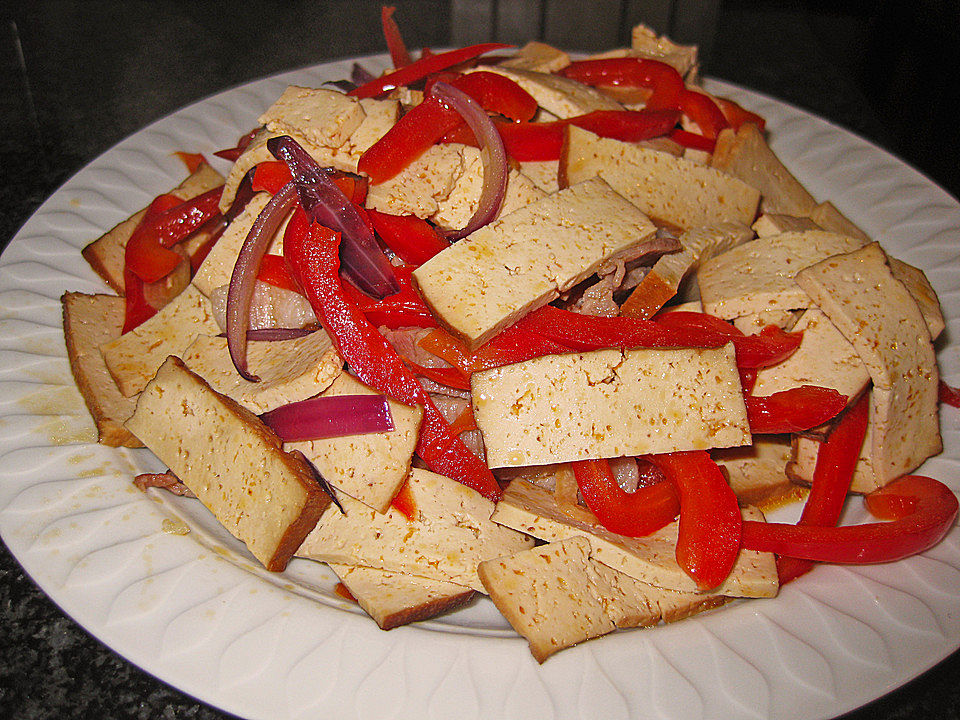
(197, 612)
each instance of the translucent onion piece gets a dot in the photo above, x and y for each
(492, 152)
(332, 416)
(244, 277)
(362, 260)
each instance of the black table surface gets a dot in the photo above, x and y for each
(80, 76)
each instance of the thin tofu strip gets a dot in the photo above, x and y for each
(393, 599)
(610, 403)
(651, 559)
(231, 461)
(525, 259)
(556, 94)
(877, 314)
(449, 535)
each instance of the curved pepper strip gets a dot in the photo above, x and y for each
(402, 309)
(497, 94)
(793, 410)
(313, 254)
(922, 511)
(423, 67)
(391, 33)
(635, 514)
(836, 459)
(710, 521)
(511, 346)
(661, 78)
(414, 240)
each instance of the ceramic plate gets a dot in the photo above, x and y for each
(156, 579)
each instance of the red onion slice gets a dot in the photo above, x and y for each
(275, 334)
(492, 152)
(360, 75)
(362, 260)
(244, 277)
(332, 416)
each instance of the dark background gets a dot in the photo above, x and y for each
(77, 77)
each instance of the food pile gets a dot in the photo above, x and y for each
(555, 331)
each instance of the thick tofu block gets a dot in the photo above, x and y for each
(556, 94)
(759, 275)
(777, 223)
(371, 467)
(683, 58)
(134, 357)
(524, 260)
(744, 154)
(922, 292)
(89, 321)
(323, 117)
(667, 188)
(289, 370)
(231, 461)
(829, 218)
(105, 254)
(824, 358)
(547, 595)
(610, 403)
(879, 317)
(255, 153)
(217, 267)
(449, 535)
(650, 559)
(394, 599)
(699, 245)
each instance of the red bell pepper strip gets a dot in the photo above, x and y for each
(628, 125)
(737, 115)
(693, 140)
(413, 240)
(270, 176)
(233, 153)
(180, 222)
(635, 514)
(274, 271)
(391, 33)
(592, 332)
(793, 410)
(663, 79)
(836, 459)
(701, 108)
(410, 137)
(449, 376)
(422, 68)
(710, 521)
(513, 345)
(404, 308)
(312, 252)
(146, 258)
(922, 511)
(404, 503)
(497, 94)
(193, 161)
(948, 395)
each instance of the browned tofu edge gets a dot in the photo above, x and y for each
(110, 431)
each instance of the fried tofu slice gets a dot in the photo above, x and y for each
(669, 189)
(522, 261)
(877, 314)
(393, 599)
(538, 57)
(652, 559)
(371, 467)
(134, 357)
(825, 358)
(776, 223)
(232, 462)
(610, 403)
(759, 275)
(289, 370)
(105, 254)
(744, 154)
(88, 322)
(449, 535)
